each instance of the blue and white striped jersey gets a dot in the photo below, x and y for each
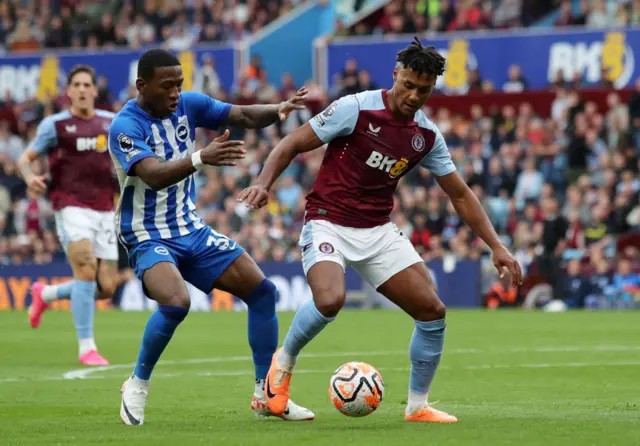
(142, 213)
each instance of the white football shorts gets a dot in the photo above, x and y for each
(75, 223)
(376, 254)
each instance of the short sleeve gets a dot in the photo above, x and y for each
(127, 143)
(338, 119)
(438, 160)
(45, 137)
(206, 112)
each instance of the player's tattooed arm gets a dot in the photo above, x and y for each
(470, 210)
(303, 139)
(260, 115)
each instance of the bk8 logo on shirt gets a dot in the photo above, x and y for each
(99, 143)
(382, 162)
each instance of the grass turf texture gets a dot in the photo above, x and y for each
(511, 378)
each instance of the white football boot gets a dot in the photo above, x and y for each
(134, 399)
(292, 413)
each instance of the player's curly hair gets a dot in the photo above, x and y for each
(421, 59)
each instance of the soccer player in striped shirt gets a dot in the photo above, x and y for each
(151, 141)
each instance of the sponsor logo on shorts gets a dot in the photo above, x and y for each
(161, 250)
(326, 248)
(417, 142)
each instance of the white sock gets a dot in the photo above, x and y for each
(86, 345)
(49, 293)
(285, 359)
(416, 400)
(259, 389)
(139, 383)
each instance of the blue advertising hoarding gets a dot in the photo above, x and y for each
(44, 74)
(458, 285)
(540, 55)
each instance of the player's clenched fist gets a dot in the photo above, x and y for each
(255, 197)
(221, 152)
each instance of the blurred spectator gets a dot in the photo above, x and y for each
(31, 213)
(599, 17)
(501, 294)
(566, 17)
(517, 83)
(206, 78)
(10, 145)
(576, 287)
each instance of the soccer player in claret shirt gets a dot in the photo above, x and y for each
(152, 143)
(373, 138)
(82, 192)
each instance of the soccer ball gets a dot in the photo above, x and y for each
(356, 389)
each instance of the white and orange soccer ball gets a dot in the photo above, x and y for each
(356, 389)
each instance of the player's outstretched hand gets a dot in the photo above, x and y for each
(221, 152)
(254, 197)
(37, 184)
(295, 103)
(502, 259)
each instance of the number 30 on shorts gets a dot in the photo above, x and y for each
(222, 242)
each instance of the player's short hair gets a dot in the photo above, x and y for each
(421, 59)
(152, 59)
(81, 68)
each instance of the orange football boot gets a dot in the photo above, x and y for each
(428, 414)
(276, 388)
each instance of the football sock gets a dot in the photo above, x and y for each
(82, 308)
(425, 351)
(307, 324)
(51, 293)
(263, 326)
(157, 334)
(258, 392)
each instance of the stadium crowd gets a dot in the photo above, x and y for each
(27, 26)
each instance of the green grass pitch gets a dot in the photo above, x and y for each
(512, 378)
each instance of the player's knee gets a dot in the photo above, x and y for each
(179, 299)
(432, 309)
(329, 304)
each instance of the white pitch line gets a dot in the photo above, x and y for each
(85, 372)
(223, 373)
(88, 373)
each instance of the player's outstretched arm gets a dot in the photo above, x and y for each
(260, 115)
(470, 210)
(160, 174)
(303, 139)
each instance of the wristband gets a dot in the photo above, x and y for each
(196, 160)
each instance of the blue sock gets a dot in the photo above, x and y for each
(83, 307)
(157, 334)
(63, 291)
(425, 351)
(307, 324)
(263, 325)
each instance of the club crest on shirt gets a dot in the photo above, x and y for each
(417, 142)
(125, 143)
(326, 248)
(182, 132)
